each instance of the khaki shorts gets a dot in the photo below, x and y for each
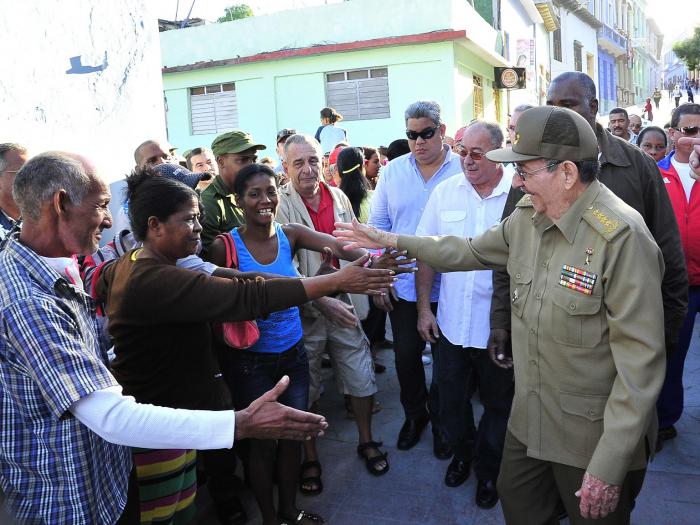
(350, 356)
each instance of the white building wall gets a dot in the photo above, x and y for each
(575, 29)
(527, 46)
(105, 103)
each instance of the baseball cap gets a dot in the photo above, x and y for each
(333, 158)
(234, 142)
(549, 132)
(460, 133)
(284, 133)
(181, 174)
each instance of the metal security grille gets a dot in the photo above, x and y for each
(213, 109)
(478, 96)
(359, 94)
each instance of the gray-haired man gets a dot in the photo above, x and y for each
(12, 158)
(397, 205)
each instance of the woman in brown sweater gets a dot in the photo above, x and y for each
(158, 318)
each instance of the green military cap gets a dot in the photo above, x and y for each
(234, 141)
(549, 132)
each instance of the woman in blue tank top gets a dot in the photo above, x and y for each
(265, 246)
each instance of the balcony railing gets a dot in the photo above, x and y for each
(613, 36)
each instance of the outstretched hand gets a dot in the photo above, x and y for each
(355, 278)
(265, 418)
(326, 262)
(396, 261)
(598, 498)
(359, 235)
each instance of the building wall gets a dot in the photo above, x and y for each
(527, 42)
(104, 106)
(272, 95)
(607, 82)
(575, 29)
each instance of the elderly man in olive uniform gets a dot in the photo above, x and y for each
(587, 320)
(233, 151)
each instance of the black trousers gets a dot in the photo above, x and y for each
(460, 371)
(408, 348)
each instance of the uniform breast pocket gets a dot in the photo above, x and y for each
(576, 318)
(520, 283)
(452, 222)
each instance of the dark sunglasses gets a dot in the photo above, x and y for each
(426, 134)
(689, 130)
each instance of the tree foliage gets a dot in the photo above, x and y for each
(236, 12)
(688, 50)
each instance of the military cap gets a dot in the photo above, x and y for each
(549, 132)
(234, 141)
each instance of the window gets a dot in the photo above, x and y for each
(360, 94)
(556, 42)
(213, 108)
(478, 96)
(590, 68)
(578, 56)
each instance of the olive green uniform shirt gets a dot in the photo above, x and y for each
(221, 214)
(588, 368)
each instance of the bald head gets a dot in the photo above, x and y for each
(151, 153)
(576, 91)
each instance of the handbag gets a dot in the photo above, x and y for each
(237, 334)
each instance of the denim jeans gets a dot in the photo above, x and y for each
(459, 371)
(254, 373)
(669, 406)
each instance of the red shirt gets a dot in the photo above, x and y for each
(687, 216)
(323, 218)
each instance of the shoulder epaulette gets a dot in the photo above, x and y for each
(605, 221)
(525, 202)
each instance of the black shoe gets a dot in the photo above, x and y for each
(441, 447)
(410, 432)
(232, 513)
(457, 473)
(486, 494)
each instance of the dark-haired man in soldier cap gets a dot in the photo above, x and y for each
(588, 344)
(233, 151)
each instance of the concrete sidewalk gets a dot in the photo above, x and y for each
(413, 493)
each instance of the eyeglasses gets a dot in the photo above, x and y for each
(464, 152)
(524, 174)
(426, 134)
(689, 130)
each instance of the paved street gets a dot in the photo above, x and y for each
(413, 493)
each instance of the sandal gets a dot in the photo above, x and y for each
(314, 481)
(371, 462)
(303, 515)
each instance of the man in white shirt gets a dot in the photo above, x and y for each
(466, 205)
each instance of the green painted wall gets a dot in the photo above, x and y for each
(290, 93)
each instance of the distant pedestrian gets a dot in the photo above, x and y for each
(691, 98)
(677, 94)
(648, 111)
(657, 97)
(328, 134)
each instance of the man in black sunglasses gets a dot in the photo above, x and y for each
(676, 172)
(397, 205)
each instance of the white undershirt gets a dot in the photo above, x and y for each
(683, 170)
(121, 420)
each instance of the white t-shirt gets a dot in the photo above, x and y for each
(683, 170)
(330, 136)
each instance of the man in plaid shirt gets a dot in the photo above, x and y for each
(64, 418)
